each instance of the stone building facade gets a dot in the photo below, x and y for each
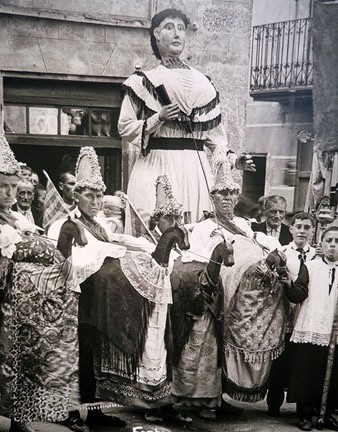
(61, 61)
(277, 113)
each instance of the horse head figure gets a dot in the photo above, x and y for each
(276, 260)
(71, 233)
(223, 253)
(173, 235)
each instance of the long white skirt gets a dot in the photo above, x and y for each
(183, 168)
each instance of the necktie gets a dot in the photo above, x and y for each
(273, 232)
(332, 278)
(301, 256)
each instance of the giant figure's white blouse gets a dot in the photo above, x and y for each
(198, 102)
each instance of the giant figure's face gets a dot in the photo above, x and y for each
(170, 37)
(89, 201)
(8, 185)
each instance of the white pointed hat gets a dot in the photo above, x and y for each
(166, 203)
(87, 170)
(224, 179)
(8, 164)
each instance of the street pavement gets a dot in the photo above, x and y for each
(253, 419)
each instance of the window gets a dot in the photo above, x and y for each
(70, 120)
(47, 121)
(254, 183)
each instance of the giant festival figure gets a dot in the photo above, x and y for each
(171, 127)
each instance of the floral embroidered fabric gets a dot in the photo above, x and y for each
(256, 322)
(254, 332)
(39, 361)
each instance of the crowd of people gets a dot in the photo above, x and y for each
(238, 302)
(257, 327)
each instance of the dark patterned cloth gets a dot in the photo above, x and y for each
(197, 322)
(39, 347)
(34, 248)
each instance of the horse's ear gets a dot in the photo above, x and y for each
(69, 217)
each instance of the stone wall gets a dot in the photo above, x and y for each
(220, 48)
(62, 47)
(269, 11)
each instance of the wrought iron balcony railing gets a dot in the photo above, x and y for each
(281, 55)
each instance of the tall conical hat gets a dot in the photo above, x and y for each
(87, 170)
(166, 203)
(8, 164)
(224, 179)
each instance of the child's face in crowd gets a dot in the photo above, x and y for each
(302, 232)
(110, 210)
(330, 246)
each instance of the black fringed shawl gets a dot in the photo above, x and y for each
(118, 313)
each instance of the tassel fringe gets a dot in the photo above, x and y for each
(242, 397)
(184, 123)
(243, 394)
(206, 108)
(98, 405)
(128, 363)
(255, 356)
(187, 125)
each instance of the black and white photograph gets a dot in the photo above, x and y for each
(168, 215)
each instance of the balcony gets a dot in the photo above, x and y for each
(281, 60)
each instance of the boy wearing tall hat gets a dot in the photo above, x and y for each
(167, 213)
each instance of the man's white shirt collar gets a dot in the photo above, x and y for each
(293, 246)
(275, 232)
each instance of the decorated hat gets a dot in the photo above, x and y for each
(8, 164)
(87, 170)
(166, 203)
(223, 178)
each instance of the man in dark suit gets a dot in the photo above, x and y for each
(24, 197)
(274, 212)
